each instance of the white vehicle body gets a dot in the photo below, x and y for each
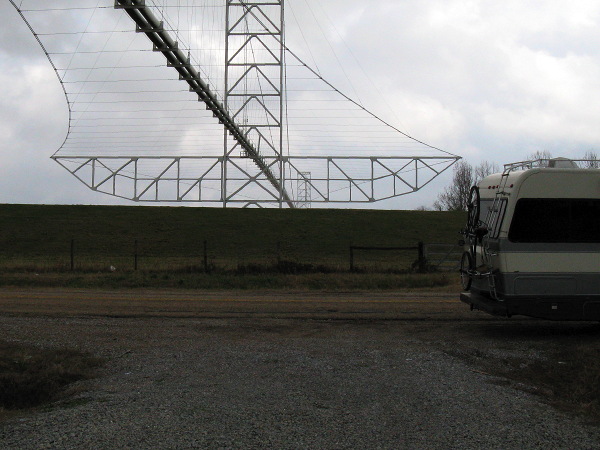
(535, 250)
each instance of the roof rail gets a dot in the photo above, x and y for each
(557, 163)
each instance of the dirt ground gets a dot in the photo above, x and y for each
(188, 369)
(247, 304)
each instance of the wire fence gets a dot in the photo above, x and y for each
(93, 255)
(443, 257)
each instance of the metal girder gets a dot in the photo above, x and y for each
(198, 178)
(162, 42)
(252, 170)
(254, 61)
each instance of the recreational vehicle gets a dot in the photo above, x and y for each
(532, 241)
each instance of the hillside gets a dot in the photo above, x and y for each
(317, 236)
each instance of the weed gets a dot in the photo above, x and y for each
(282, 267)
(568, 377)
(31, 376)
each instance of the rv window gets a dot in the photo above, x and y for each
(492, 216)
(485, 208)
(498, 218)
(556, 220)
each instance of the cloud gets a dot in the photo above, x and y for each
(483, 79)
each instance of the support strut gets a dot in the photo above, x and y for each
(146, 22)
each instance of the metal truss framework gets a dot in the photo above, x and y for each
(254, 59)
(303, 192)
(162, 42)
(252, 170)
(332, 179)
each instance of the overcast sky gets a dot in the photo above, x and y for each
(485, 80)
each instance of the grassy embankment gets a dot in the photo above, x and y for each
(246, 248)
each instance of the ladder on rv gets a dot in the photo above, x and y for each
(491, 219)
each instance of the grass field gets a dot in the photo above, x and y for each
(37, 238)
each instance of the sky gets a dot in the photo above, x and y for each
(485, 80)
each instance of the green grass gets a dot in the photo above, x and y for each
(37, 238)
(252, 281)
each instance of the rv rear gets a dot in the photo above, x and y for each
(536, 248)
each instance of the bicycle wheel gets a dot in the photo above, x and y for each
(473, 209)
(466, 267)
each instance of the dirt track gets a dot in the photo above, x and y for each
(288, 370)
(177, 303)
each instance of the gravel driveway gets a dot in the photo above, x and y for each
(283, 383)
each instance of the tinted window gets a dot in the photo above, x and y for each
(492, 216)
(556, 220)
(485, 207)
(498, 215)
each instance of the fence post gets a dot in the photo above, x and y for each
(351, 259)
(205, 256)
(278, 253)
(135, 255)
(422, 260)
(72, 255)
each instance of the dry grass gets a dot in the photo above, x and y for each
(564, 372)
(31, 376)
(568, 378)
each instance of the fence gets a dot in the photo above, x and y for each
(419, 265)
(443, 257)
(122, 254)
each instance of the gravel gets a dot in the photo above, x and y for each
(278, 383)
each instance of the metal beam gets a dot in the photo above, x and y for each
(147, 23)
(332, 179)
(246, 66)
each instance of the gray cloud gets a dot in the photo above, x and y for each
(486, 80)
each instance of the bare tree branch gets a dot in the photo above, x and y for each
(456, 196)
(543, 155)
(591, 160)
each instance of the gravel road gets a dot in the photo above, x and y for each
(260, 382)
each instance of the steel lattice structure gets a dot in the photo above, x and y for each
(253, 116)
(254, 61)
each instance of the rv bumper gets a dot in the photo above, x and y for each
(552, 308)
(482, 303)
